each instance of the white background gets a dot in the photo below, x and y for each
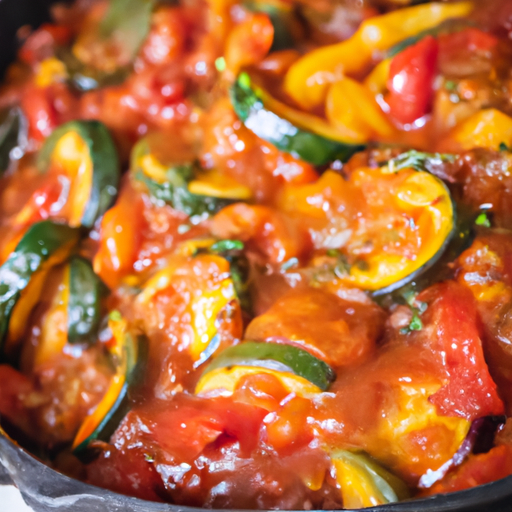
(11, 500)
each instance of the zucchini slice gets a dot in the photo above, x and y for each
(84, 304)
(297, 369)
(13, 134)
(85, 152)
(422, 206)
(207, 303)
(302, 135)
(365, 483)
(22, 276)
(181, 185)
(127, 353)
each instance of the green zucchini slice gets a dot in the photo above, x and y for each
(303, 135)
(127, 352)
(365, 483)
(173, 183)
(422, 202)
(13, 133)
(84, 304)
(44, 245)
(280, 360)
(85, 152)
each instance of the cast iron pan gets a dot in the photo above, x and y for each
(46, 490)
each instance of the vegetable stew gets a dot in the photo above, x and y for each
(257, 254)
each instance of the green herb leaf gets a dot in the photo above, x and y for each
(416, 323)
(504, 147)
(220, 64)
(115, 316)
(227, 245)
(483, 220)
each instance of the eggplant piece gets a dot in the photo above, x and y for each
(86, 151)
(299, 371)
(303, 135)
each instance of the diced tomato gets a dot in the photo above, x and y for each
(261, 390)
(44, 203)
(452, 329)
(126, 472)
(120, 238)
(288, 429)
(185, 427)
(167, 37)
(411, 81)
(41, 43)
(46, 108)
(477, 470)
(267, 232)
(14, 386)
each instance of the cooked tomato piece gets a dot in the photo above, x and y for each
(477, 470)
(330, 328)
(470, 391)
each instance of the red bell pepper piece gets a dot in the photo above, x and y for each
(411, 81)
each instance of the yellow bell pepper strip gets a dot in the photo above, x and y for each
(350, 105)
(486, 129)
(308, 79)
(413, 415)
(215, 184)
(50, 71)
